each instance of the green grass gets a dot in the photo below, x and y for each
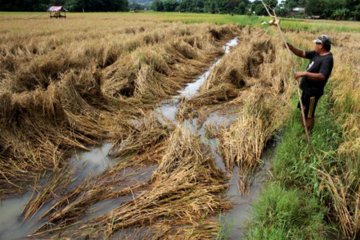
(294, 206)
(242, 20)
(295, 163)
(226, 226)
(287, 214)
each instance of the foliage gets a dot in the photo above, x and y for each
(306, 178)
(286, 214)
(333, 9)
(257, 7)
(330, 9)
(165, 5)
(211, 6)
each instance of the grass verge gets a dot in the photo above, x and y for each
(245, 20)
(296, 203)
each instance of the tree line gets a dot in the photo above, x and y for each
(71, 5)
(330, 9)
(210, 6)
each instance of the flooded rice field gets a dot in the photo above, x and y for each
(144, 145)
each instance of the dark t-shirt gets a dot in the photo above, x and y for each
(318, 64)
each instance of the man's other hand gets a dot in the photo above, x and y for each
(298, 75)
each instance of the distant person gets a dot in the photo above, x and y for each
(316, 76)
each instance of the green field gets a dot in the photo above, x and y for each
(287, 23)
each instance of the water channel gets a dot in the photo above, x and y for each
(87, 164)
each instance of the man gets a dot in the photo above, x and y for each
(316, 76)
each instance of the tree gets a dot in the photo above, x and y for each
(170, 5)
(226, 6)
(258, 8)
(323, 8)
(290, 4)
(340, 13)
(157, 5)
(356, 13)
(192, 5)
(243, 7)
(211, 6)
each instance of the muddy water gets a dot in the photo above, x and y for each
(192, 88)
(169, 109)
(235, 220)
(133, 176)
(216, 120)
(89, 164)
(86, 164)
(96, 161)
(11, 226)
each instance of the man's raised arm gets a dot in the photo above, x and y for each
(296, 51)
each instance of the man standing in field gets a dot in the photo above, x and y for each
(316, 76)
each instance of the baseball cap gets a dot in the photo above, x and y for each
(323, 39)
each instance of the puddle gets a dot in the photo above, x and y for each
(91, 163)
(237, 218)
(11, 223)
(101, 208)
(131, 178)
(217, 121)
(169, 109)
(96, 161)
(214, 148)
(232, 43)
(192, 88)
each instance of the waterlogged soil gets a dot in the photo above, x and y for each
(90, 164)
(235, 221)
(11, 225)
(86, 165)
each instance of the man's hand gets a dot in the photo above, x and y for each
(274, 21)
(298, 75)
(309, 75)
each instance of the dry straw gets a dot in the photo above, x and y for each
(252, 80)
(185, 188)
(72, 91)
